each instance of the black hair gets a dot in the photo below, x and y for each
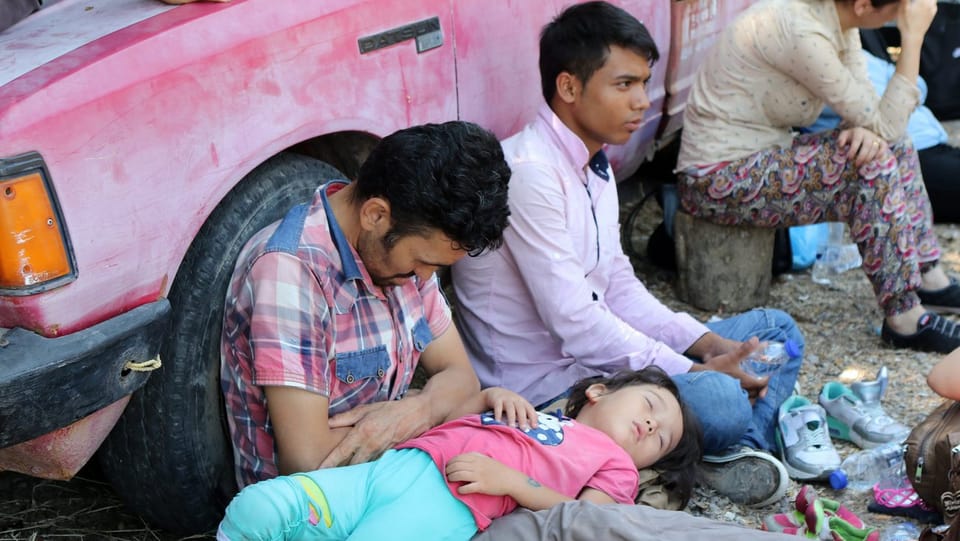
(578, 42)
(450, 177)
(678, 469)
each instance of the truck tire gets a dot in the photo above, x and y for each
(170, 457)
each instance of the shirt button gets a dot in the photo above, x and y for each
(379, 372)
(349, 378)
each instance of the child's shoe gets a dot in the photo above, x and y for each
(871, 393)
(849, 418)
(803, 440)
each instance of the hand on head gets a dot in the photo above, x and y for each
(914, 17)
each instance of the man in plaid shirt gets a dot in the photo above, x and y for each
(330, 310)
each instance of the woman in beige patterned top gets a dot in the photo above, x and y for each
(741, 162)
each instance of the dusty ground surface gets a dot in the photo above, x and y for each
(840, 322)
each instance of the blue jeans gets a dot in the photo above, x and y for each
(719, 402)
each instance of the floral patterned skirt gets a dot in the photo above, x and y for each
(883, 202)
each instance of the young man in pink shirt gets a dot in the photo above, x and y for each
(560, 301)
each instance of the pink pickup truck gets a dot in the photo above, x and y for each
(142, 144)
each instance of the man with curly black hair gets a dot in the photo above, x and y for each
(330, 310)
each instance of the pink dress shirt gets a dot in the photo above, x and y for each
(560, 301)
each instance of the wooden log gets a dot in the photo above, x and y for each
(725, 268)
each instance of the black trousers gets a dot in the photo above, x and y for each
(940, 166)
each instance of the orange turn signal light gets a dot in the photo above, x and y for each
(35, 252)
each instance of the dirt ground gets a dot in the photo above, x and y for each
(840, 322)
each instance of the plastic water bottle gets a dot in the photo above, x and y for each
(835, 256)
(904, 531)
(770, 357)
(863, 469)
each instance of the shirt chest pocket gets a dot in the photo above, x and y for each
(422, 335)
(366, 363)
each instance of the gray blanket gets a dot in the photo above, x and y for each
(585, 521)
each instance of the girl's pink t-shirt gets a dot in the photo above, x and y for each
(561, 454)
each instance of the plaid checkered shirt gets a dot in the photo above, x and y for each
(302, 311)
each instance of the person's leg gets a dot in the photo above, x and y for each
(940, 165)
(883, 203)
(767, 325)
(400, 496)
(740, 473)
(740, 464)
(323, 504)
(909, 321)
(719, 403)
(411, 501)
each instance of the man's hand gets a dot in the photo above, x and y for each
(376, 428)
(482, 474)
(724, 355)
(508, 404)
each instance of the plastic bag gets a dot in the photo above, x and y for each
(804, 241)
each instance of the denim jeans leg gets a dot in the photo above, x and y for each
(719, 403)
(772, 325)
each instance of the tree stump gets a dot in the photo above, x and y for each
(721, 267)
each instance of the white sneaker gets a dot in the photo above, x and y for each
(851, 418)
(803, 440)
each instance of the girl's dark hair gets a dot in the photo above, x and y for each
(678, 469)
(578, 42)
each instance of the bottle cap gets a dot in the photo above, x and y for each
(838, 479)
(792, 348)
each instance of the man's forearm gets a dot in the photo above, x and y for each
(447, 391)
(708, 344)
(288, 463)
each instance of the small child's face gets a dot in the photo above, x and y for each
(645, 420)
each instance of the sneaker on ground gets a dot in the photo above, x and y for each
(746, 476)
(946, 300)
(934, 333)
(803, 440)
(848, 418)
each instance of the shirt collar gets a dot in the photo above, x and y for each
(349, 263)
(573, 146)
